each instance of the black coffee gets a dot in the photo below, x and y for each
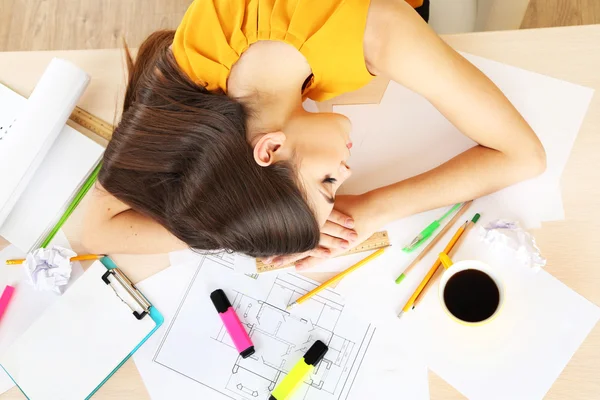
(471, 295)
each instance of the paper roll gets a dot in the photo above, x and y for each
(27, 140)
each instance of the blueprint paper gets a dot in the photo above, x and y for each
(27, 304)
(184, 257)
(169, 363)
(244, 264)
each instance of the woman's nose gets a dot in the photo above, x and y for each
(345, 171)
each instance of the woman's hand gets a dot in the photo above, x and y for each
(366, 222)
(337, 236)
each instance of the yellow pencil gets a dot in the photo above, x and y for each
(434, 268)
(76, 258)
(436, 274)
(336, 278)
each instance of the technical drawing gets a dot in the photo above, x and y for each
(227, 259)
(280, 338)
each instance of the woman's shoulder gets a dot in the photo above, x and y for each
(215, 33)
(384, 20)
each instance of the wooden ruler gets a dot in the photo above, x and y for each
(376, 241)
(92, 123)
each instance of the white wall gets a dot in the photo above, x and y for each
(457, 16)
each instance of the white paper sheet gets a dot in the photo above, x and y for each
(244, 264)
(310, 106)
(27, 304)
(69, 161)
(27, 139)
(374, 283)
(409, 136)
(169, 363)
(49, 268)
(69, 350)
(517, 355)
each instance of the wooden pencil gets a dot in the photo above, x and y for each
(76, 258)
(336, 278)
(436, 239)
(438, 271)
(432, 270)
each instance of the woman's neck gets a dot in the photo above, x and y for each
(268, 78)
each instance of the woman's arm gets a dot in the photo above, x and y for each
(399, 45)
(112, 227)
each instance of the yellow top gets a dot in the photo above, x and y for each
(214, 34)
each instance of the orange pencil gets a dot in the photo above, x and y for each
(432, 270)
(76, 258)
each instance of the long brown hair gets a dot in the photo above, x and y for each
(180, 156)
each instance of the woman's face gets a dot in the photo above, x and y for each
(321, 145)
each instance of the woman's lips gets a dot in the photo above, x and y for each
(349, 145)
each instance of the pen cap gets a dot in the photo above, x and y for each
(315, 353)
(220, 300)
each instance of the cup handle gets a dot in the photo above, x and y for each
(446, 261)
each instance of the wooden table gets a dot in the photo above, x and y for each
(571, 246)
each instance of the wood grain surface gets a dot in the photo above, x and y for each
(101, 24)
(572, 54)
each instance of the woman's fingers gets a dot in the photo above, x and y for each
(331, 242)
(280, 261)
(336, 234)
(337, 231)
(307, 263)
(341, 219)
(319, 252)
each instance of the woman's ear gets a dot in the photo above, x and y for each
(268, 148)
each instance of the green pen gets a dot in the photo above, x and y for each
(296, 376)
(428, 231)
(87, 185)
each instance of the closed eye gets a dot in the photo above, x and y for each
(331, 181)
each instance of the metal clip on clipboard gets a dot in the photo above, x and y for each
(125, 290)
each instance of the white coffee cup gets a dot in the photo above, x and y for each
(451, 269)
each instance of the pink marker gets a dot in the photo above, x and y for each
(5, 299)
(232, 323)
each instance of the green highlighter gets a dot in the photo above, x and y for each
(296, 376)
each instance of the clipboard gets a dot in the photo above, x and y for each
(83, 338)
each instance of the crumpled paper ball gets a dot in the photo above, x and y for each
(508, 235)
(49, 268)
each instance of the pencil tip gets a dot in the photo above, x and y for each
(400, 315)
(415, 241)
(291, 306)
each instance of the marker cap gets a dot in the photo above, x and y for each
(220, 300)
(315, 353)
